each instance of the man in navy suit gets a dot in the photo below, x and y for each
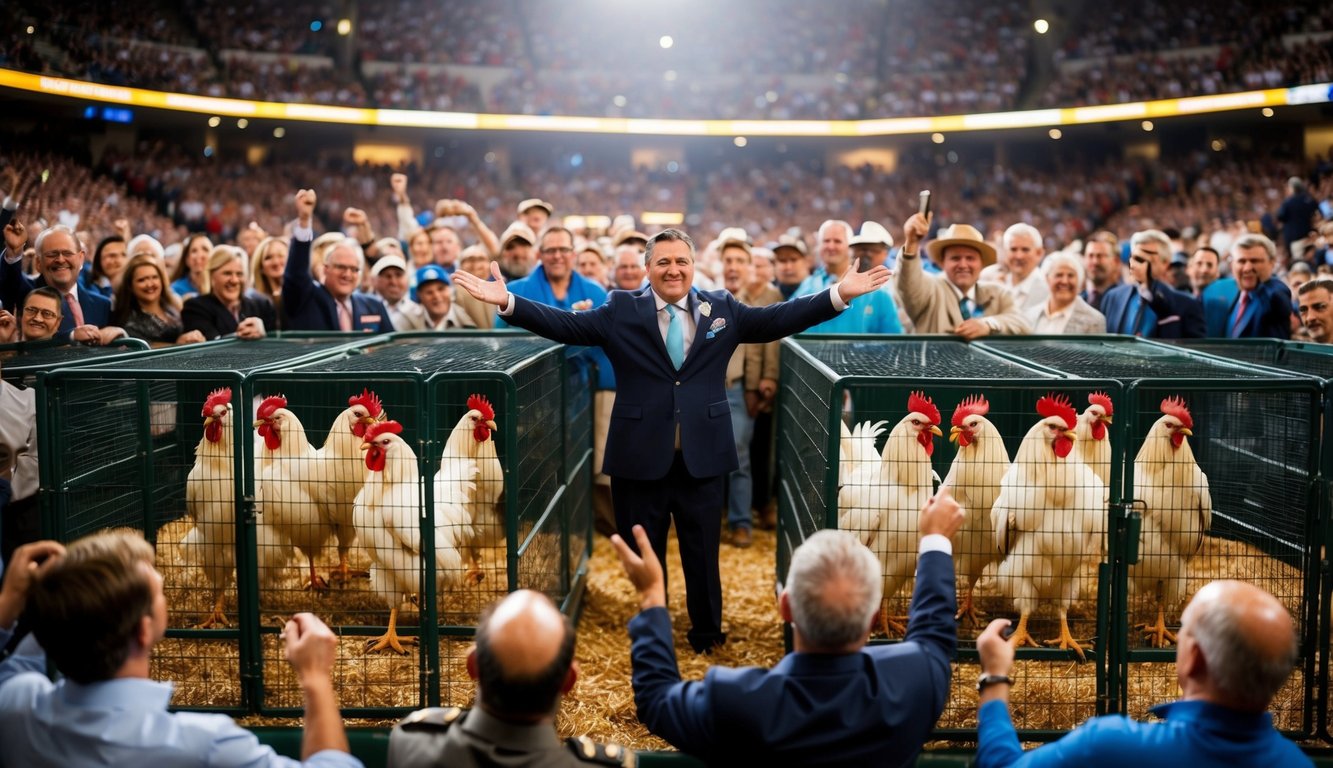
(833, 701)
(670, 446)
(86, 315)
(1147, 306)
(335, 304)
(1260, 306)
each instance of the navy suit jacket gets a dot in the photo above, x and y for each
(652, 397)
(876, 706)
(1179, 315)
(307, 305)
(15, 287)
(1267, 315)
(1218, 299)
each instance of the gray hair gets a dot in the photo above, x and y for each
(147, 242)
(348, 244)
(833, 620)
(1153, 236)
(1021, 228)
(1252, 240)
(669, 235)
(1240, 671)
(52, 230)
(1063, 259)
(836, 223)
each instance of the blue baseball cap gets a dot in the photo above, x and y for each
(433, 272)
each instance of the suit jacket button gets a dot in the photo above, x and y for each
(678, 383)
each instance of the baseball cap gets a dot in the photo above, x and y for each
(384, 262)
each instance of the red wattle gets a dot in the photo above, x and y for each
(964, 439)
(213, 431)
(272, 440)
(927, 443)
(1099, 430)
(481, 433)
(1062, 446)
(359, 428)
(1176, 439)
(375, 459)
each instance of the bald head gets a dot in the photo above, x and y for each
(524, 657)
(1238, 646)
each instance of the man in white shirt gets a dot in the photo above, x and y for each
(1023, 253)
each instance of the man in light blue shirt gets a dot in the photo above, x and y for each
(1237, 646)
(874, 312)
(98, 609)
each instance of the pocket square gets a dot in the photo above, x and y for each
(719, 325)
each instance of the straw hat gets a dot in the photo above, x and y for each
(961, 234)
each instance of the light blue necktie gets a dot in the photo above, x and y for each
(675, 340)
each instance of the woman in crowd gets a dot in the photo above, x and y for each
(266, 268)
(146, 308)
(108, 262)
(418, 247)
(191, 275)
(1065, 311)
(224, 308)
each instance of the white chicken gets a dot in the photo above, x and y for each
(1049, 518)
(288, 504)
(388, 514)
(1091, 436)
(473, 440)
(861, 492)
(210, 498)
(1177, 507)
(908, 483)
(342, 472)
(974, 477)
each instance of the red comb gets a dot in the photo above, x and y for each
(1102, 399)
(271, 404)
(481, 405)
(1175, 406)
(975, 405)
(380, 427)
(1058, 405)
(220, 396)
(370, 400)
(917, 402)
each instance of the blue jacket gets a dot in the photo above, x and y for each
(307, 305)
(1267, 314)
(536, 287)
(876, 706)
(15, 287)
(1218, 299)
(1179, 315)
(652, 397)
(1194, 734)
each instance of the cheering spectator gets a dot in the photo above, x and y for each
(147, 309)
(191, 276)
(224, 308)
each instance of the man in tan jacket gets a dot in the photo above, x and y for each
(955, 301)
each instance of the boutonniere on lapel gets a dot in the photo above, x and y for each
(719, 325)
(581, 306)
(705, 309)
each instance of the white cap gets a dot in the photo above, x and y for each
(872, 234)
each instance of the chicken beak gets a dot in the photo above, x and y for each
(365, 446)
(260, 422)
(1069, 433)
(1187, 432)
(1106, 419)
(209, 420)
(491, 423)
(934, 430)
(953, 434)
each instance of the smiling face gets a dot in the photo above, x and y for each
(1251, 266)
(228, 281)
(833, 247)
(1063, 282)
(391, 283)
(196, 257)
(275, 260)
(146, 282)
(445, 245)
(1202, 269)
(962, 266)
(592, 266)
(1316, 310)
(736, 268)
(1101, 264)
(434, 296)
(60, 260)
(113, 259)
(671, 270)
(1023, 253)
(342, 271)
(41, 317)
(791, 267)
(557, 254)
(629, 268)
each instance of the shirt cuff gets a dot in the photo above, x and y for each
(935, 542)
(11, 257)
(304, 234)
(838, 303)
(11, 204)
(508, 308)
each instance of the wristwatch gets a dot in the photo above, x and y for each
(986, 680)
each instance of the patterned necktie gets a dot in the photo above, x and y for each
(675, 338)
(344, 316)
(75, 311)
(1238, 324)
(966, 307)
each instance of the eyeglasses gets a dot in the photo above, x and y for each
(344, 268)
(557, 251)
(60, 254)
(45, 314)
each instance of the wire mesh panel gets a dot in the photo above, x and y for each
(1222, 466)
(155, 442)
(1004, 437)
(21, 362)
(469, 427)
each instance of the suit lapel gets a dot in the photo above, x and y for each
(646, 305)
(699, 329)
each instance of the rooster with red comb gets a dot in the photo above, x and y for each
(472, 442)
(1092, 438)
(974, 477)
(287, 492)
(342, 473)
(1049, 519)
(210, 498)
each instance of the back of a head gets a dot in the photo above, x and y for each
(86, 608)
(834, 586)
(1248, 641)
(525, 647)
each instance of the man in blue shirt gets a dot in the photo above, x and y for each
(1237, 646)
(98, 609)
(873, 312)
